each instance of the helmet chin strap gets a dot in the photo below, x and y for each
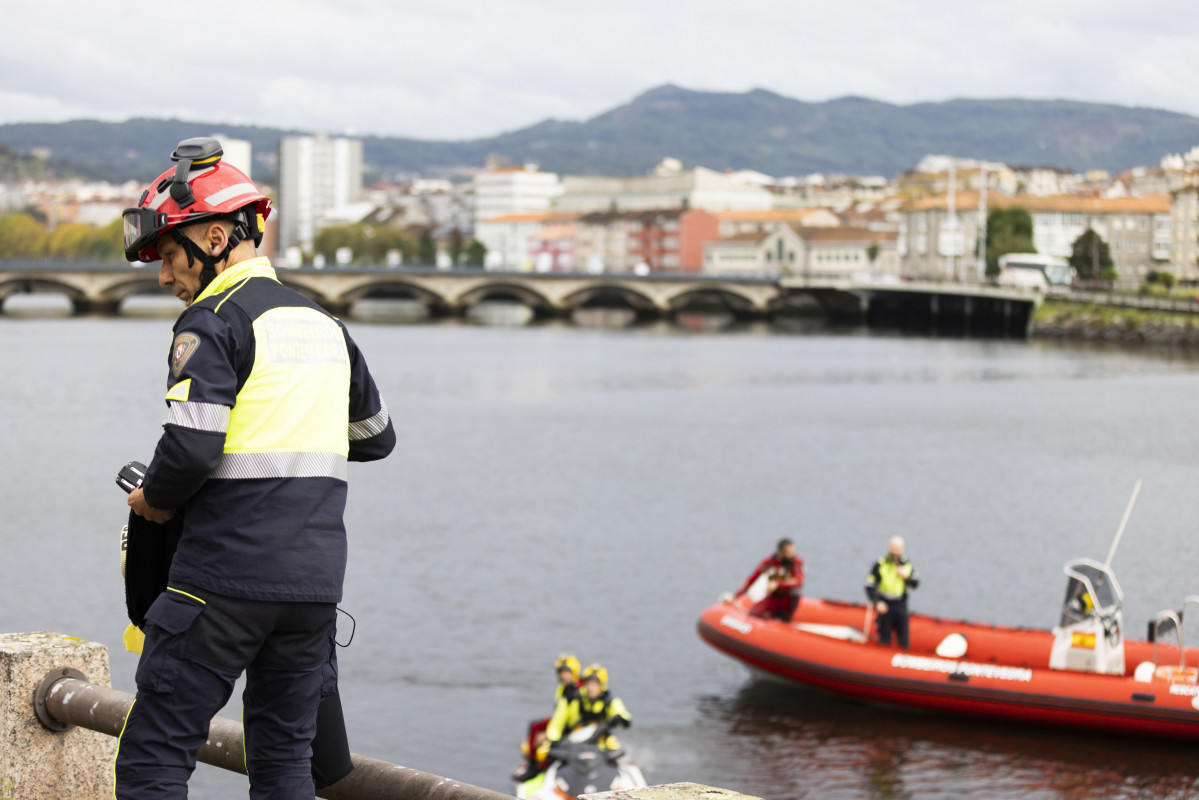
(196, 253)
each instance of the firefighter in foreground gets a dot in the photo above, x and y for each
(267, 399)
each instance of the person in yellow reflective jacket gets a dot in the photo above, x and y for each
(594, 705)
(887, 587)
(268, 398)
(566, 667)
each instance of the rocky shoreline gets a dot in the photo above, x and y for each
(1108, 324)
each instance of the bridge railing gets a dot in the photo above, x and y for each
(1123, 300)
(59, 759)
(52, 760)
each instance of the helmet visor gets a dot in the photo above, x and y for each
(143, 226)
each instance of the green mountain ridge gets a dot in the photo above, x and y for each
(758, 129)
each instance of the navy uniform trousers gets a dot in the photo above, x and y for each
(895, 619)
(197, 645)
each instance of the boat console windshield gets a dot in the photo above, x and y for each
(1089, 637)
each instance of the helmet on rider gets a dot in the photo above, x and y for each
(595, 672)
(198, 188)
(567, 661)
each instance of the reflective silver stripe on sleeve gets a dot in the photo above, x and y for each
(371, 426)
(243, 466)
(211, 417)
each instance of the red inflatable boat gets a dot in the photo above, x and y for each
(1081, 675)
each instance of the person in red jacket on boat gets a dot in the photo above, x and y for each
(887, 587)
(784, 580)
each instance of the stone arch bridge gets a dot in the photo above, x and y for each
(102, 288)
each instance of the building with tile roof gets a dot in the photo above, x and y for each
(937, 244)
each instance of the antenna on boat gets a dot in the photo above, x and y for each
(1131, 501)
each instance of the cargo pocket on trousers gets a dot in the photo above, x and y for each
(168, 622)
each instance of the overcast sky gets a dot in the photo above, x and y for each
(462, 69)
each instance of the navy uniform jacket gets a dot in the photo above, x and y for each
(268, 397)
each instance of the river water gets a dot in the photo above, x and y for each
(568, 488)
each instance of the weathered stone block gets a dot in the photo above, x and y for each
(671, 791)
(36, 762)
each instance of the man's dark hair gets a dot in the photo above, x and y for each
(783, 543)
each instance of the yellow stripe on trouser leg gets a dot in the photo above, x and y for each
(117, 755)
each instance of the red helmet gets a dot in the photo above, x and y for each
(199, 187)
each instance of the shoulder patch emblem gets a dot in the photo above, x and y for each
(184, 347)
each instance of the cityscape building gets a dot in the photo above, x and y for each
(809, 252)
(317, 175)
(501, 191)
(238, 152)
(667, 188)
(511, 239)
(936, 242)
(1184, 232)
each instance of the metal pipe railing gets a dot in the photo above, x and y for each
(65, 698)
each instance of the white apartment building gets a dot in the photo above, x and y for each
(735, 223)
(811, 252)
(936, 244)
(317, 175)
(514, 190)
(1184, 218)
(238, 152)
(698, 188)
(764, 253)
(511, 238)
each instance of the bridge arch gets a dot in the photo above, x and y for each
(29, 285)
(392, 288)
(735, 302)
(535, 301)
(121, 291)
(639, 302)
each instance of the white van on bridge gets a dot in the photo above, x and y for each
(1034, 271)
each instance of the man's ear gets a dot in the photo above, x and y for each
(216, 237)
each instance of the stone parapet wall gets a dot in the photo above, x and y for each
(36, 762)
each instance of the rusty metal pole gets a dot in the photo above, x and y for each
(70, 700)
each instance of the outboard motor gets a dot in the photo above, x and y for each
(1090, 635)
